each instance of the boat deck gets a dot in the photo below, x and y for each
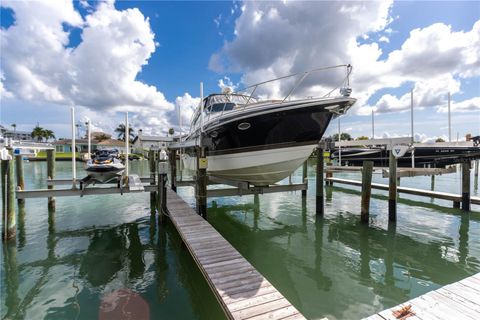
(459, 300)
(241, 290)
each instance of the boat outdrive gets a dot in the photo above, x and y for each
(105, 166)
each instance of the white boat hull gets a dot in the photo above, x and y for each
(263, 167)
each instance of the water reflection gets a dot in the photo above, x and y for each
(114, 259)
(356, 269)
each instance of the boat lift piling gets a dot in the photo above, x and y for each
(466, 186)
(172, 159)
(319, 197)
(8, 200)
(152, 167)
(366, 190)
(20, 176)
(51, 176)
(162, 186)
(304, 176)
(392, 187)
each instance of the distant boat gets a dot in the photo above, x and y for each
(105, 166)
(261, 141)
(434, 155)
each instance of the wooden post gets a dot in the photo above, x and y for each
(51, 175)
(201, 183)
(162, 189)
(475, 179)
(172, 156)
(304, 177)
(319, 204)
(8, 200)
(432, 186)
(392, 188)
(466, 186)
(366, 190)
(456, 205)
(329, 174)
(152, 168)
(20, 178)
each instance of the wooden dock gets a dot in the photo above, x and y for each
(417, 192)
(241, 290)
(459, 300)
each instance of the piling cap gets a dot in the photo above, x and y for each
(163, 155)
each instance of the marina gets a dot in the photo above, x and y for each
(199, 237)
(239, 160)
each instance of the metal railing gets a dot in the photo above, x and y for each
(303, 75)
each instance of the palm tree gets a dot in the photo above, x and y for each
(38, 133)
(14, 126)
(47, 134)
(101, 137)
(120, 130)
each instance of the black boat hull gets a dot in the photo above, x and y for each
(271, 129)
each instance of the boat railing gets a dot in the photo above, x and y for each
(303, 75)
(343, 86)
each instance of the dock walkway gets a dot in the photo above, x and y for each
(459, 300)
(241, 290)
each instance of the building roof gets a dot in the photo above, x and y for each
(144, 138)
(69, 141)
(111, 143)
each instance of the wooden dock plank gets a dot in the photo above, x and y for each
(459, 300)
(241, 290)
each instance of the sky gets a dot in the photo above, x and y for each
(149, 57)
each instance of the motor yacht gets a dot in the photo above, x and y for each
(262, 141)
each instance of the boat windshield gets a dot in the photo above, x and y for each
(225, 102)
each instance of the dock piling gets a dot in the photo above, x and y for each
(366, 190)
(392, 188)
(51, 175)
(20, 177)
(201, 183)
(162, 187)
(466, 186)
(8, 198)
(172, 157)
(152, 167)
(432, 186)
(304, 177)
(320, 208)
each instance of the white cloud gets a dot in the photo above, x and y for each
(384, 39)
(226, 82)
(468, 105)
(274, 39)
(99, 73)
(186, 105)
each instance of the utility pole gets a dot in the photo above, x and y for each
(413, 138)
(449, 120)
(373, 125)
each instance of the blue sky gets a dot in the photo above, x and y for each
(188, 35)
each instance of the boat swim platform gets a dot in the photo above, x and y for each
(241, 290)
(417, 192)
(459, 300)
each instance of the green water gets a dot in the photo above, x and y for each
(68, 264)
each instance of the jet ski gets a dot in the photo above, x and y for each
(105, 166)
